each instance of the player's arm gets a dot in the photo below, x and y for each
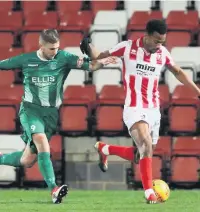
(183, 78)
(12, 63)
(181, 75)
(100, 63)
(88, 49)
(76, 62)
(95, 54)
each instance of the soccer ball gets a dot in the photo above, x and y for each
(161, 190)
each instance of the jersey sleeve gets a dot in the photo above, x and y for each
(12, 63)
(169, 62)
(119, 49)
(77, 62)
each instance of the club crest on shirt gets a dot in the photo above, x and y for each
(80, 62)
(133, 51)
(53, 65)
(159, 58)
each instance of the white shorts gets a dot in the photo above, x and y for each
(152, 116)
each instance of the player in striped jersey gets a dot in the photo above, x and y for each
(143, 60)
(44, 73)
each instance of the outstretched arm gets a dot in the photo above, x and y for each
(12, 63)
(179, 74)
(98, 64)
(183, 78)
(95, 54)
(90, 50)
(79, 62)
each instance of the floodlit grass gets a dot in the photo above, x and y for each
(104, 201)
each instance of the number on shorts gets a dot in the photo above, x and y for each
(32, 127)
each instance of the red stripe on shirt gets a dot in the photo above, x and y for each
(147, 57)
(144, 88)
(168, 62)
(123, 76)
(155, 89)
(141, 44)
(133, 51)
(119, 52)
(133, 93)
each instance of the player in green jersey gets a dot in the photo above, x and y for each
(44, 73)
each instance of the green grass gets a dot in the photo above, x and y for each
(104, 201)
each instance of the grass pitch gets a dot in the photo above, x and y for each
(104, 201)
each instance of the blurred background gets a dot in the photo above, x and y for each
(93, 102)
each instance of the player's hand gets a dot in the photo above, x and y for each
(85, 45)
(109, 60)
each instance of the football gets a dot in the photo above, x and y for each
(161, 190)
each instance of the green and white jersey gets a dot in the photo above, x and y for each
(44, 79)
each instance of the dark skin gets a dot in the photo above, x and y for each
(153, 42)
(140, 130)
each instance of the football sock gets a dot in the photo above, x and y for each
(124, 152)
(146, 175)
(46, 169)
(148, 192)
(11, 159)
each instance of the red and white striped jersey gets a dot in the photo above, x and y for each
(141, 72)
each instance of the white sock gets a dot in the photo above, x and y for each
(148, 192)
(105, 149)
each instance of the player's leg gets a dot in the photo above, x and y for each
(20, 158)
(46, 168)
(104, 150)
(137, 154)
(44, 160)
(154, 135)
(11, 159)
(141, 135)
(51, 121)
(130, 116)
(33, 123)
(28, 158)
(25, 158)
(38, 144)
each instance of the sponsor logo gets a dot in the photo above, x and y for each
(145, 67)
(43, 81)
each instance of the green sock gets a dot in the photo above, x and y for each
(46, 169)
(11, 159)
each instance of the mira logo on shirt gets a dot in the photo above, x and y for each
(43, 81)
(145, 67)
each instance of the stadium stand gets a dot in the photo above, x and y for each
(63, 6)
(185, 150)
(140, 18)
(6, 6)
(31, 6)
(79, 21)
(93, 102)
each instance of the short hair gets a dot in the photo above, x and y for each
(49, 36)
(158, 26)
